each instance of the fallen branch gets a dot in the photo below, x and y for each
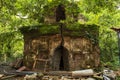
(87, 72)
(6, 77)
(98, 77)
(1, 75)
(58, 73)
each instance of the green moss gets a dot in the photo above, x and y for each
(75, 28)
(90, 31)
(41, 29)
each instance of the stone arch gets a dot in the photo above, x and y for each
(60, 59)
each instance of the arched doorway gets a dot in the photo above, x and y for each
(60, 59)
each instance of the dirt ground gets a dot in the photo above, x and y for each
(6, 68)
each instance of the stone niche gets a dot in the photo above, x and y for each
(43, 52)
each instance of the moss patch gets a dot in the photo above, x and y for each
(90, 31)
(41, 29)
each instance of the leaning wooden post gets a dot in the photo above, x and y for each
(118, 34)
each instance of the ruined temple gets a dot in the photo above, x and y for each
(43, 50)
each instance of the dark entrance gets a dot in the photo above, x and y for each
(60, 60)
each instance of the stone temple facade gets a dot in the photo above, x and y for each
(43, 52)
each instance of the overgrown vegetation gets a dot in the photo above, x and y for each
(90, 31)
(18, 13)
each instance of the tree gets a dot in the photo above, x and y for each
(17, 13)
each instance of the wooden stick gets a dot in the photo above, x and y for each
(58, 73)
(6, 77)
(98, 73)
(34, 64)
(1, 75)
(45, 66)
(21, 68)
(98, 77)
(42, 59)
(87, 72)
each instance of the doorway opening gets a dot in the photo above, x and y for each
(60, 59)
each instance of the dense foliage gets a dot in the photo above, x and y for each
(17, 13)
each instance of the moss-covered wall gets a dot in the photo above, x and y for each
(80, 42)
(90, 31)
